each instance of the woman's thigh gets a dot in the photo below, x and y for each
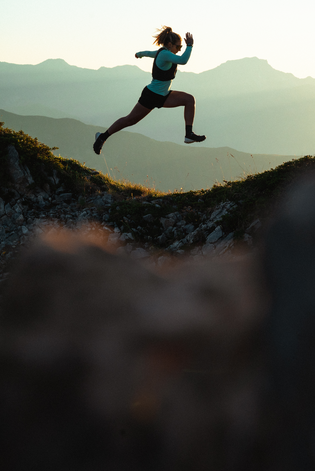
(176, 98)
(138, 112)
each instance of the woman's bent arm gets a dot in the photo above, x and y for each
(167, 56)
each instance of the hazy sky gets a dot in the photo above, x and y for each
(97, 33)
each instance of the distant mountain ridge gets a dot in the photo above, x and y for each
(254, 73)
(244, 104)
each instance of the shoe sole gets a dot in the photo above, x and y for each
(191, 141)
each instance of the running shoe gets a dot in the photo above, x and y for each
(98, 144)
(194, 138)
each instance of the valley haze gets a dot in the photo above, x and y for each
(242, 104)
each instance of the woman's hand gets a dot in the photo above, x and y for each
(189, 40)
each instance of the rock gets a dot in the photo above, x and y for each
(17, 171)
(8, 210)
(188, 228)
(195, 251)
(17, 208)
(175, 246)
(60, 190)
(196, 236)
(162, 239)
(208, 248)
(42, 193)
(6, 221)
(40, 200)
(167, 222)
(18, 218)
(126, 236)
(225, 244)
(139, 253)
(113, 238)
(65, 196)
(46, 188)
(14, 166)
(215, 235)
(28, 176)
(223, 248)
(248, 239)
(228, 238)
(148, 218)
(107, 198)
(254, 226)
(2, 207)
(12, 239)
(163, 260)
(222, 209)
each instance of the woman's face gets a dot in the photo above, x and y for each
(174, 48)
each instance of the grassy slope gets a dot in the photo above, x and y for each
(162, 165)
(256, 192)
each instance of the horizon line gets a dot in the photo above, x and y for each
(148, 71)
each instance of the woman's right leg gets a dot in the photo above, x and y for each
(176, 99)
(138, 112)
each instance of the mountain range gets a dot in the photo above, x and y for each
(165, 166)
(242, 104)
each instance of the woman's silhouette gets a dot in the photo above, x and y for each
(158, 93)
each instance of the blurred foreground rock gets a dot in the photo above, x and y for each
(107, 365)
(289, 264)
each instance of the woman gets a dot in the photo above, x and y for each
(158, 94)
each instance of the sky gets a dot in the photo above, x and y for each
(93, 34)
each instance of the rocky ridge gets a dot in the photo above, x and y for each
(156, 227)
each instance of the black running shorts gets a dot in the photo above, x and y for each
(152, 100)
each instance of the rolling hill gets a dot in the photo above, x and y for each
(139, 159)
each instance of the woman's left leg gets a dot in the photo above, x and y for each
(137, 113)
(176, 99)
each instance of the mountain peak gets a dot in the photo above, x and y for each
(53, 63)
(253, 64)
(249, 60)
(249, 74)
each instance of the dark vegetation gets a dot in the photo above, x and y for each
(254, 194)
(38, 157)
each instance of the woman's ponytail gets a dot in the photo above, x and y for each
(165, 36)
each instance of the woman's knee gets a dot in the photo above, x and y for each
(191, 100)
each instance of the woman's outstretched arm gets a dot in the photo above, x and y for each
(141, 54)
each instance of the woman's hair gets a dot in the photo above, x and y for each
(165, 36)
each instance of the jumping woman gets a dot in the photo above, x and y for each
(158, 93)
